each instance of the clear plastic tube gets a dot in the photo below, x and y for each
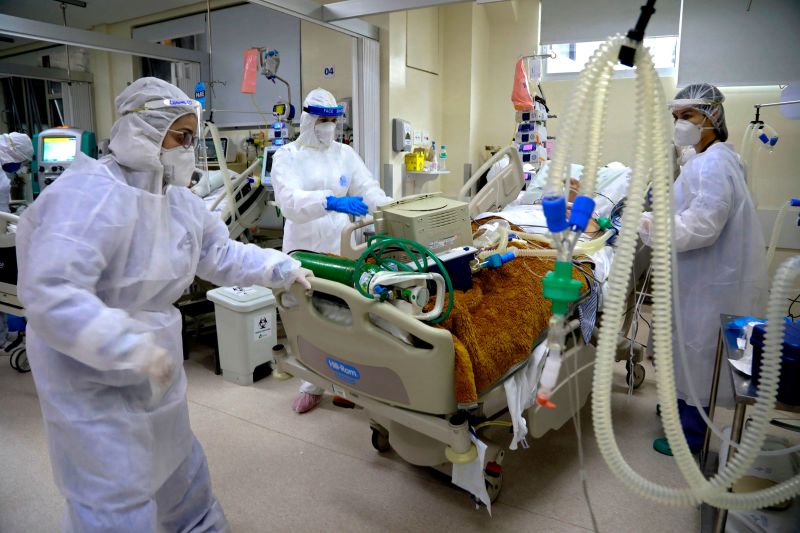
(575, 114)
(536, 237)
(597, 123)
(652, 154)
(776, 232)
(746, 147)
(582, 248)
(652, 159)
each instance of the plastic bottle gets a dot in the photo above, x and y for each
(434, 159)
(443, 158)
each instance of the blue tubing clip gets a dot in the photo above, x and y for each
(795, 202)
(555, 211)
(582, 209)
(498, 260)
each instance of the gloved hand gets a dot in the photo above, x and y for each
(299, 276)
(351, 205)
(646, 228)
(157, 365)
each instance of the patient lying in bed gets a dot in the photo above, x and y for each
(496, 323)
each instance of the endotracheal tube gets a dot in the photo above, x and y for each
(652, 161)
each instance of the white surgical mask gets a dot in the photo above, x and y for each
(325, 132)
(178, 165)
(688, 133)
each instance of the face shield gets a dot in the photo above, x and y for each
(175, 107)
(328, 122)
(185, 139)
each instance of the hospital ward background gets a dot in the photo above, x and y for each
(407, 265)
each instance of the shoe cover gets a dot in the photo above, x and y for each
(304, 402)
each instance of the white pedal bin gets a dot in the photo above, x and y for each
(246, 320)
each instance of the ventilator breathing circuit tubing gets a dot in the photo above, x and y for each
(652, 161)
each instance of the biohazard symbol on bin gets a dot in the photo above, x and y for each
(262, 322)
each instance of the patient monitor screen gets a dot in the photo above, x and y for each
(266, 168)
(58, 149)
(211, 151)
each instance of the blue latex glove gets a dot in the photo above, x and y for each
(352, 205)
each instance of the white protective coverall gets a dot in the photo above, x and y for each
(305, 172)
(104, 253)
(720, 261)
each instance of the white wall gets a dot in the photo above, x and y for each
(458, 103)
(406, 92)
(320, 47)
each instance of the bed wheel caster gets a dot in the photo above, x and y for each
(461, 458)
(635, 375)
(380, 440)
(19, 361)
(493, 474)
(281, 376)
(493, 486)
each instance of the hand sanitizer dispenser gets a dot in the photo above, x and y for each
(401, 135)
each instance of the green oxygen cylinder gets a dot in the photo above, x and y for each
(323, 266)
(334, 268)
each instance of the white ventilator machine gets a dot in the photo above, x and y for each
(57, 148)
(652, 160)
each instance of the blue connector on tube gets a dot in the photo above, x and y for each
(555, 211)
(498, 260)
(582, 209)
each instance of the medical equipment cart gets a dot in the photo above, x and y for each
(743, 396)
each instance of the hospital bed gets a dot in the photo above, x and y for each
(503, 196)
(238, 199)
(407, 387)
(9, 302)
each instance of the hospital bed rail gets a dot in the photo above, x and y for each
(408, 391)
(246, 200)
(498, 192)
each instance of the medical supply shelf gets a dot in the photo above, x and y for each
(423, 176)
(743, 395)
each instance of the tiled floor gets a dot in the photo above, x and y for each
(274, 470)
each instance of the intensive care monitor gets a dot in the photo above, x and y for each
(56, 149)
(266, 166)
(59, 149)
(228, 149)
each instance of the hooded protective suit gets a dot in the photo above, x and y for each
(721, 266)
(104, 252)
(307, 171)
(14, 148)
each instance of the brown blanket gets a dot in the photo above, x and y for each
(495, 323)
